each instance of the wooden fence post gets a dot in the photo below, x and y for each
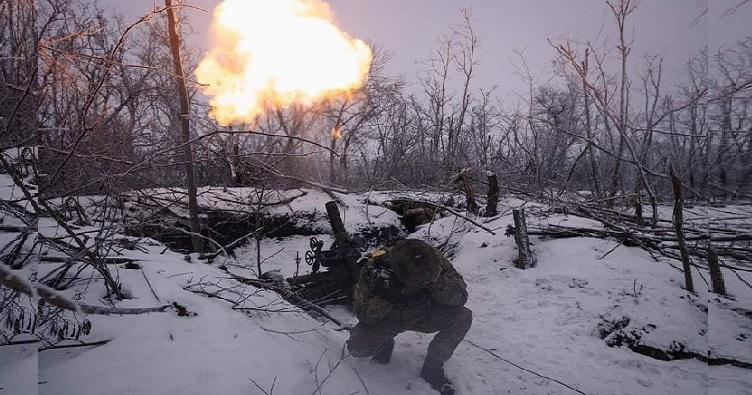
(526, 259)
(716, 276)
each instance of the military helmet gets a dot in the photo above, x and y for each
(415, 262)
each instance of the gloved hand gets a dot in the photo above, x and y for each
(379, 278)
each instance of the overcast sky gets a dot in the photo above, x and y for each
(409, 30)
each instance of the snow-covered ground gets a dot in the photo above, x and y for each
(545, 330)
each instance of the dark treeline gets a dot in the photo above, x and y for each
(100, 94)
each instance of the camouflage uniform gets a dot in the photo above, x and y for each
(429, 298)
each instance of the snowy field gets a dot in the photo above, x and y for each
(563, 327)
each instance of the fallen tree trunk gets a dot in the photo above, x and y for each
(107, 260)
(631, 238)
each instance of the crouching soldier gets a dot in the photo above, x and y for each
(412, 287)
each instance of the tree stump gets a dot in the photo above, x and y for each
(493, 195)
(638, 206)
(463, 181)
(679, 228)
(526, 259)
(716, 276)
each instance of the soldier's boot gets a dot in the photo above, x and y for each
(455, 322)
(384, 355)
(433, 373)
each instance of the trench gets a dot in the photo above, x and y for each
(615, 334)
(225, 227)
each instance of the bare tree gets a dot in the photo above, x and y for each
(185, 113)
(621, 12)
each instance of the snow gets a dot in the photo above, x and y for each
(547, 319)
(18, 369)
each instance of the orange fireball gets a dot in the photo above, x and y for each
(277, 52)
